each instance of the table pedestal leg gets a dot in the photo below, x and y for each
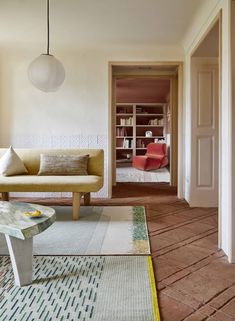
(21, 253)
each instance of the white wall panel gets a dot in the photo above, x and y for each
(205, 99)
(205, 162)
(205, 132)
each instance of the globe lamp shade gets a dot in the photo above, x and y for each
(46, 73)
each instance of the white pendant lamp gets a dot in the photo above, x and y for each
(46, 72)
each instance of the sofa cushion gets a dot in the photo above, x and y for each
(32, 183)
(61, 165)
(11, 164)
(31, 158)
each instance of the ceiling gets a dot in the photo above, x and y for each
(142, 90)
(83, 23)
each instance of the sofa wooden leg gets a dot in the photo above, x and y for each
(5, 196)
(87, 199)
(76, 205)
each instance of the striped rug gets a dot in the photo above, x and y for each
(101, 230)
(81, 288)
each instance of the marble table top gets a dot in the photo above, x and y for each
(13, 222)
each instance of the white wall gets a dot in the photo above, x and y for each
(77, 114)
(204, 18)
(233, 125)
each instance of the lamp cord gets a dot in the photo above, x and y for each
(48, 27)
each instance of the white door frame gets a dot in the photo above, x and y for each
(179, 65)
(218, 18)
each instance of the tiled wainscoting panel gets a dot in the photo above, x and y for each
(63, 141)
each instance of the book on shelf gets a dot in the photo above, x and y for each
(124, 110)
(127, 143)
(121, 111)
(121, 131)
(126, 121)
(157, 122)
(140, 143)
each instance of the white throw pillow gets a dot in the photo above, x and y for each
(11, 164)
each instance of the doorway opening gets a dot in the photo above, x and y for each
(144, 122)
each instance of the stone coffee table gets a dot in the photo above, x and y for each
(19, 231)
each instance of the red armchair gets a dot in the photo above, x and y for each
(155, 157)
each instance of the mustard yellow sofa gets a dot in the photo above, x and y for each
(78, 185)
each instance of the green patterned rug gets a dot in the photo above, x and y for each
(88, 288)
(101, 230)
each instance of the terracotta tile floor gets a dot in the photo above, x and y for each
(194, 280)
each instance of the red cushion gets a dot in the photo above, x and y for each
(159, 151)
(156, 149)
(164, 162)
(146, 163)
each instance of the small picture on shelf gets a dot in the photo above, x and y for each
(148, 133)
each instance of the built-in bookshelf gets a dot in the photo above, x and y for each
(132, 122)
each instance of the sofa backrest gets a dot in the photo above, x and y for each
(31, 158)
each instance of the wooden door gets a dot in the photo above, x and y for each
(204, 149)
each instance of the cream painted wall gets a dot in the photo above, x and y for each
(202, 21)
(233, 122)
(77, 114)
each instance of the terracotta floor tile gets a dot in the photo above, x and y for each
(197, 316)
(164, 208)
(178, 234)
(202, 286)
(223, 298)
(186, 299)
(213, 221)
(209, 242)
(154, 225)
(207, 310)
(164, 268)
(229, 308)
(152, 214)
(158, 242)
(194, 212)
(187, 255)
(220, 316)
(220, 269)
(173, 219)
(198, 227)
(172, 310)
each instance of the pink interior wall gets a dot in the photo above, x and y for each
(142, 90)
